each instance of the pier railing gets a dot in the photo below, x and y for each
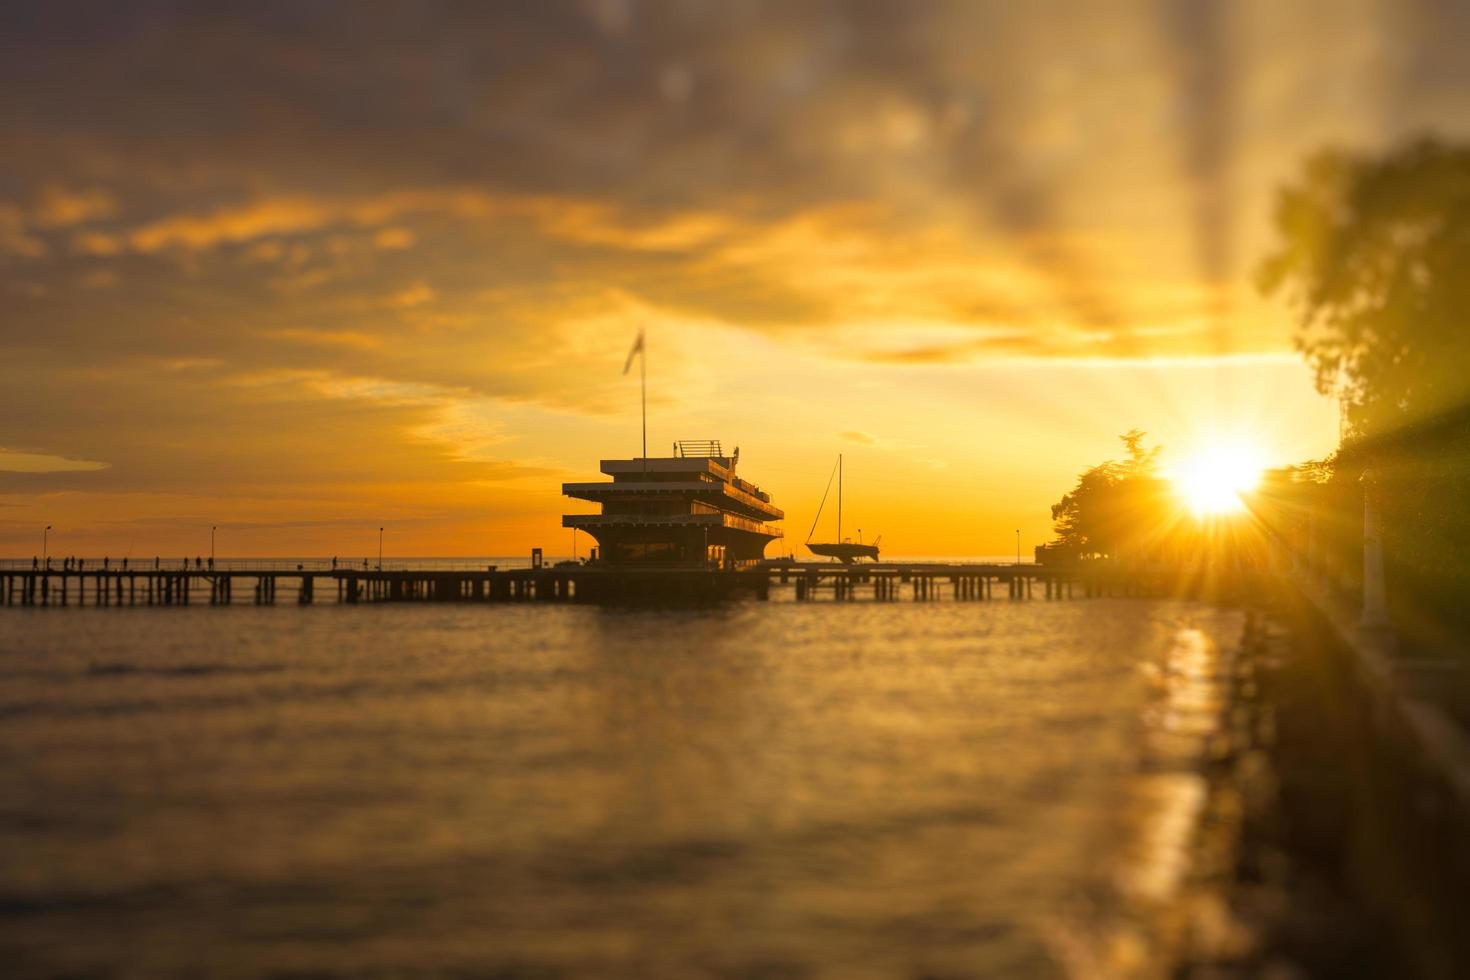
(88, 564)
(798, 581)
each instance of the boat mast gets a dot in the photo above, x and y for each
(826, 491)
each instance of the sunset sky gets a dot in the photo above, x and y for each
(303, 270)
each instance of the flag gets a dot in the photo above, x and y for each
(637, 349)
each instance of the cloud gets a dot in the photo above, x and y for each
(60, 207)
(565, 218)
(12, 461)
(98, 279)
(415, 295)
(861, 438)
(394, 238)
(800, 167)
(275, 216)
(352, 339)
(361, 432)
(14, 238)
(96, 243)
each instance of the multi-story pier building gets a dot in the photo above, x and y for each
(686, 509)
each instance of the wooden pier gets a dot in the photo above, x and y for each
(891, 582)
(800, 582)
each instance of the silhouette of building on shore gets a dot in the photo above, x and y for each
(685, 509)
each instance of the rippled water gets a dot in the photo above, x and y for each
(762, 790)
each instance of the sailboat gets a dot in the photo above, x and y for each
(845, 549)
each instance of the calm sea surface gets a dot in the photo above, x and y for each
(760, 790)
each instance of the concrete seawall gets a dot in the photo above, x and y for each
(1338, 827)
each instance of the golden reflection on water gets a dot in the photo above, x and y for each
(788, 790)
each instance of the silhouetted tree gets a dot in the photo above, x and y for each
(1116, 508)
(1373, 257)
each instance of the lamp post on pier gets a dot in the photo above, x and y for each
(1018, 546)
(380, 549)
(212, 529)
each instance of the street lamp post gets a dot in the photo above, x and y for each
(1018, 546)
(45, 546)
(1375, 604)
(380, 549)
(212, 529)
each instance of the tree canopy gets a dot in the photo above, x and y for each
(1115, 506)
(1373, 257)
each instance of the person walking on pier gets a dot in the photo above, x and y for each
(106, 562)
(125, 564)
(81, 563)
(35, 563)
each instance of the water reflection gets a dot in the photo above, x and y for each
(814, 790)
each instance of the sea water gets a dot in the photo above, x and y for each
(843, 790)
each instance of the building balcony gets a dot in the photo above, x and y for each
(588, 522)
(725, 495)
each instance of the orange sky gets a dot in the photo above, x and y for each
(302, 274)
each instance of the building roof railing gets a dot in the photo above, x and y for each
(707, 448)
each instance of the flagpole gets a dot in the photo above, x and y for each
(641, 353)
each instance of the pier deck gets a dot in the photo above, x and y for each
(798, 581)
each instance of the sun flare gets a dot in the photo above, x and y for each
(1215, 479)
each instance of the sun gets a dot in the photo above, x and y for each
(1215, 479)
